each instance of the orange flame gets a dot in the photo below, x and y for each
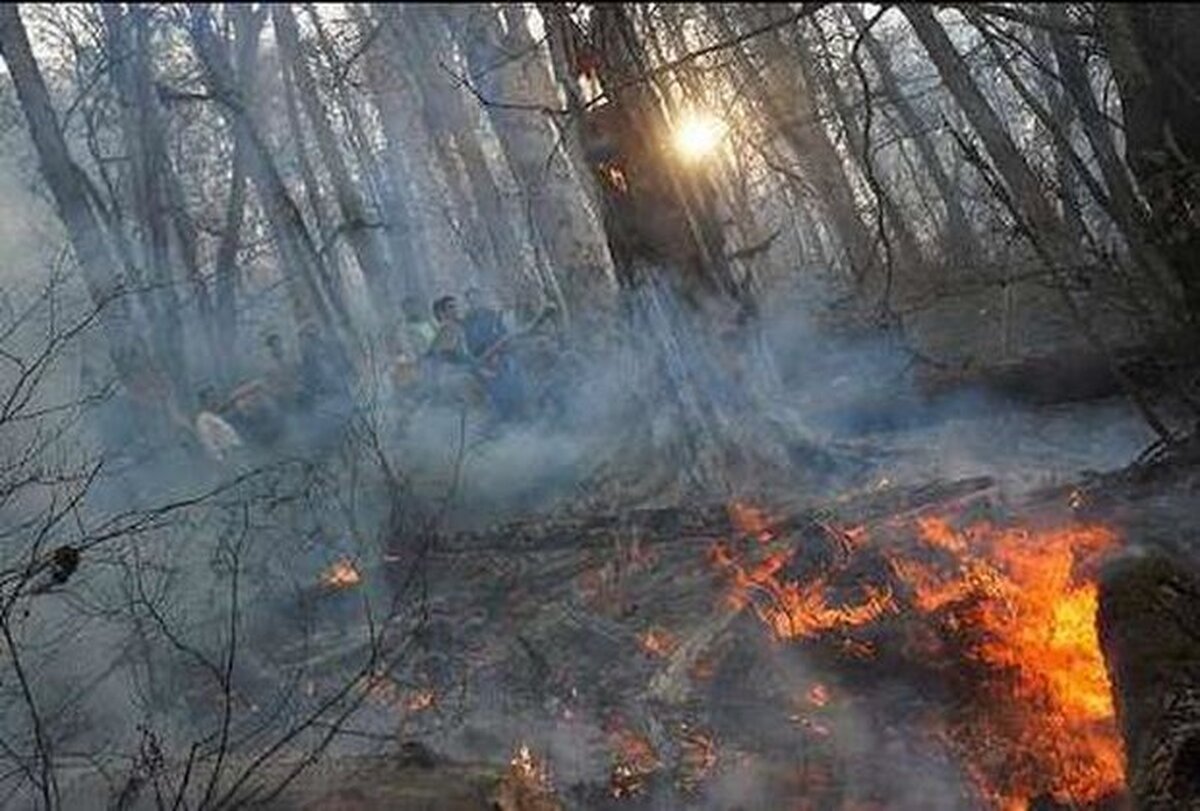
(1035, 621)
(795, 610)
(341, 575)
(634, 760)
(817, 695)
(1013, 605)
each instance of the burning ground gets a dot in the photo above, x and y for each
(930, 647)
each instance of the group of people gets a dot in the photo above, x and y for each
(457, 354)
(301, 403)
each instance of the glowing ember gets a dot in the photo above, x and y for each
(697, 758)
(795, 610)
(526, 784)
(419, 700)
(634, 761)
(341, 575)
(657, 642)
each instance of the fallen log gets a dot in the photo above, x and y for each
(699, 523)
(1149, 624)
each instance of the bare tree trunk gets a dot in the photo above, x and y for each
(959, 237)
(362, 234)
(784, 98)
(816, 73)
(517, 86)
(1154, 52)
(312, 303)
(321, 220)
(128, 43)
(1025, 196)
(449, 118)
(102, 273)
(247, 26)
(392, 205)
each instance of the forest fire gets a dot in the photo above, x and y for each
(1005, 614)
(795, 610)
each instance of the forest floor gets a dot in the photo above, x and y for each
(771, 655)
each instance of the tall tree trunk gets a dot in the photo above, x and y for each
(312, 303)
(816, 73)
(128, 42)
(780, 92)
(449, 118)
(959, 236)
(102, 273)
(392, 205)
(1026, 196)
(408, 158)
(510, 71)
(362, 234)
(1154, 53)
(247, 26)
(323, 227)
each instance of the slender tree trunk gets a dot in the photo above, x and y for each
(449, 118)
(128, 41)
(817, 74)
(323, 227)
(959, 236)
(407, 161)
(566, 230)
(362, 234)
(102, 273)
(1026, 198)
(392, 206)
(312, 304)
(247, 26)
(784, 98)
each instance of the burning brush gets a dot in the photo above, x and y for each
(1005, 615)
(525, 785)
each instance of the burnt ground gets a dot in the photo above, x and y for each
(538, 637)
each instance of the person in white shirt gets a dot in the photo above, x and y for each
(218, 438)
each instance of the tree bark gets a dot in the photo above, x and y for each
(302, 270)
(1148, 620)
(362, 234)
(1154, 53)
(103, 275)
(511, 73)
(959, 237)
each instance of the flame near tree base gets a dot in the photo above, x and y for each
(1003, 616)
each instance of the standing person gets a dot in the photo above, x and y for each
(418, 331)
(483, 325)
(414, 338)
(452, 364)
(449, 343)
(487, 336)
(218, 438)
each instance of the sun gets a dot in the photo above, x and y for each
(698, 135)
